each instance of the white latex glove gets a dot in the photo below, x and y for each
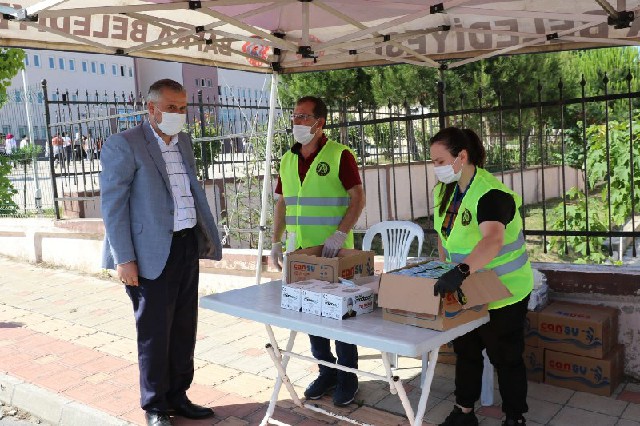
(276, 255)
(333, 244)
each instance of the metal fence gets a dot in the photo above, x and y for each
(591, 137)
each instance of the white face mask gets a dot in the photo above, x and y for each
(302, 134)
(172, 123)
(445, 174)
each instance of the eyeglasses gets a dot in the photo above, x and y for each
(302, 117)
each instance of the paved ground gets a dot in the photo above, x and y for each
(67, 355)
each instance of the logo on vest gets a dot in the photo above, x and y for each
(323, 169)
(466, 217)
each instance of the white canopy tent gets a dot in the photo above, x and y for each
(289, 36)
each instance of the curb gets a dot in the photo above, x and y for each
(51, 407)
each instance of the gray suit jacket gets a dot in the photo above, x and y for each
(137, 205)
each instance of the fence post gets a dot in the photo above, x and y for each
(203, 147)
(47, 118)
(442, 100)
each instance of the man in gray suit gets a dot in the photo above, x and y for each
(157, 225)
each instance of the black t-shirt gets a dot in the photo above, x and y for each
(496, 206)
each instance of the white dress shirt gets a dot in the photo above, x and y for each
(184, 212)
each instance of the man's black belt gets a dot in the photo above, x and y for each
(182, 233)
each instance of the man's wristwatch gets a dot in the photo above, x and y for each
(464, 269)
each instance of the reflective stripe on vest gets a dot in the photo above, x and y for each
(315, 220)
(317, 201)
(507, 248)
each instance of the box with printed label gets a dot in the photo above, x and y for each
(304, 264)
(446, 354)
(346, 302)
(291, 297)
(531, 334)
(534, 361)
(587, 330)
(312, 297)
(583, 373)
(410, 300)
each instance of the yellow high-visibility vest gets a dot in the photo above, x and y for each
(315, 208)
(512, 263)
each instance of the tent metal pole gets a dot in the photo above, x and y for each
(442, 100)
(266, 181)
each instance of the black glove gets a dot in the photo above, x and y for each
(451, 280)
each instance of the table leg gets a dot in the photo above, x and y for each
(426, 387)
(397, 387)
(280, 363)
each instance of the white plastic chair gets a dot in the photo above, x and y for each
(397, 236)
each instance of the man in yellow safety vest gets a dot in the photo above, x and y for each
(320, 200)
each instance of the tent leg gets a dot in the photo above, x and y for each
(266, 182)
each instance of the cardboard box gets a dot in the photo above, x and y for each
(586, 330)
(344, 302)
(308, 263)
(312, 297)
(531, 333)
(586, 374)
(371, 281)
(291, 296)
(410, 300)
(446, 354)
(534, 361)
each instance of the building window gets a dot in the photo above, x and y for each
(74, 98)
(85, 66)
(36, 61)
(130, 72)
(122, 70)
(61, 63)
(94, 67)
(52, 62)
(219, 91)
(72, 64)
(26, 60)
(54, 97)
(103, 69)
(40, 97)
(22, 131)
(114, 69)
(202, 82)
(18, 96)
(6, 129)
(197, 82)
(209, 83)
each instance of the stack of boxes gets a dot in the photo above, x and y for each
(313, 283)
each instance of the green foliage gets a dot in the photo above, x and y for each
(7, 206)
(26, 155)
(205, 152)
(11, 61)
(575, 247)
(335, 87)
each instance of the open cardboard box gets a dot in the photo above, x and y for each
(410, 300)
(307, 263)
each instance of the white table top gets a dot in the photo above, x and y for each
(261, 303)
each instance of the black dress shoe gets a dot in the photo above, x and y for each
(192, 411)
(157, 419)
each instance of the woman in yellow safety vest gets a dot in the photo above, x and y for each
(479, 226)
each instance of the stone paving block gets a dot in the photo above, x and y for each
(280, 414)
(229, 421)
(570, 416)
(599, 404)
(632, 412)
(541, 411)
(95, 340)
(75, 414)
(629, 396)
(626, 422)
(549, 393)
(41, 403)
(7, 386)
(236, 405)
(378, 418)
(212, 374)
(391, 403)
(439, 412)
(245, 384)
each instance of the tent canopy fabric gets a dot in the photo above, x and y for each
(291, 36)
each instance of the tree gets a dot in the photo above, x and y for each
(11, 61)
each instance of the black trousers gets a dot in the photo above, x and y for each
(166, 312)
(503, 337)
(321, 349)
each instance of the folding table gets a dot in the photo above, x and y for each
(261, 303)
